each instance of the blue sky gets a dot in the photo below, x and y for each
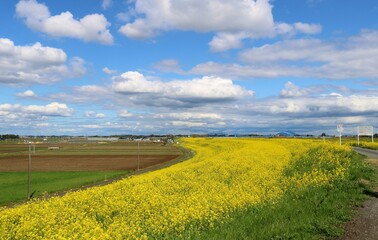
(102, 67)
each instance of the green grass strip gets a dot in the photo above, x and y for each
(13, 185)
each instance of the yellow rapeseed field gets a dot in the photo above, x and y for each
(369, 145)
(225, 175)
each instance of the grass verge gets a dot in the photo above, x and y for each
(13, 185)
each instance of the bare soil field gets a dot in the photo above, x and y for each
(85, 157)
(61, 163)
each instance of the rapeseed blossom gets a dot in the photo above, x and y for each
(225, 175)
(369, 145)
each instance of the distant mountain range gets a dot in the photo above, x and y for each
(287, 134)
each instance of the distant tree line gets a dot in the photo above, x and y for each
(9, 136)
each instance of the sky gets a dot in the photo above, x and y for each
(107, 67)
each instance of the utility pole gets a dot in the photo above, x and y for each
(372, 134)
(138, 156)
(340, 129)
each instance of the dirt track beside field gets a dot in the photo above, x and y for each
(364, 226)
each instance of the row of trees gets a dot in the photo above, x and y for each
(9, 136)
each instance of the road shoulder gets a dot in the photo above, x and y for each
(364, 225)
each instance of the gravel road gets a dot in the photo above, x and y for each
(371, 154)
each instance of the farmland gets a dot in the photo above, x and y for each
(289, 188)
(85, 156)
(13, 185)
(71, 165)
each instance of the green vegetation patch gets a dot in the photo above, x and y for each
(13, 185)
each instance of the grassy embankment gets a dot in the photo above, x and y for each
(317, 212)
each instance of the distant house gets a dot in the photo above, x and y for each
(103, 139)
(53, 148)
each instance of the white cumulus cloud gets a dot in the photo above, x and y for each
(124, 113)
(298, 27)
(232, 21)
(224, 41)
(100, 115)
(21, 112)
(52, 109)
(106, 4)
(199, 90)
(90, 28)
(36, 63)
(291, 90)
(201, 16)
(27, 94)
(109, 71)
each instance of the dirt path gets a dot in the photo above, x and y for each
(364, 226)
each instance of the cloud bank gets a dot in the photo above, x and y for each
(353, 58)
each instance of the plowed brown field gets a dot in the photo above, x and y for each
(81, 162)
(85, 157)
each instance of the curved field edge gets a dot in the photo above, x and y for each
(225, 179)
